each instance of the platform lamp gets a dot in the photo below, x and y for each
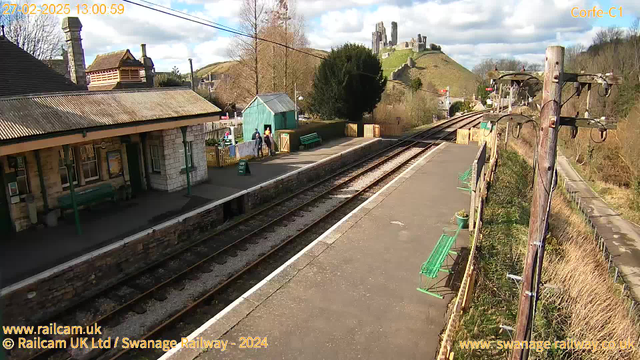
(295, 99)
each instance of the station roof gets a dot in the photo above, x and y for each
(114, 60)
(50, 113)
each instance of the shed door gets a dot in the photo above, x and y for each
(284, 142)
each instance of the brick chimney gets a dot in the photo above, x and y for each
(149, 71)
(71, 26)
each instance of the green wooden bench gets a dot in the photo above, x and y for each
(435, 262)
(88, 196)
(310, 139)
(465, 179)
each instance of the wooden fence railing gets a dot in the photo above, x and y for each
(465, 292)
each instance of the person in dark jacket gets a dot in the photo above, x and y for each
(258, 143)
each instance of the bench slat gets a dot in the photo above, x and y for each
(88, 196)
(310, 138)
(432, 266)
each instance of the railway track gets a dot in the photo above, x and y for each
(170, 292)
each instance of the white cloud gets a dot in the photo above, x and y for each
(468, 30)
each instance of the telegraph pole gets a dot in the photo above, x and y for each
(547, 143)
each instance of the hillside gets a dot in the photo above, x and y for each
(215, 68)
(436, 68)
(224, 66)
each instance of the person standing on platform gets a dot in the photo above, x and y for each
(267, 140)
(256, 136)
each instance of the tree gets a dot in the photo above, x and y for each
(347, 83)
(416, 84)
(167, 80)
(38, 34)
(246, 50)
(282, 65)
(481, 92)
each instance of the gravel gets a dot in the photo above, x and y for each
(135, 325)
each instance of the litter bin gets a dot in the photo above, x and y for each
(31, 206)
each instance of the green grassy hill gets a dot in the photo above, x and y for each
(436, 68)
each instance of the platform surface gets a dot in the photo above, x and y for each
(352, 294)
(32, 251)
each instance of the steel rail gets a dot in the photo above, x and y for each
(299, 233)
(467, 119)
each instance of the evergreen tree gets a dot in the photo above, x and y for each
(348, 83)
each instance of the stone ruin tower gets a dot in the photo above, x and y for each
(394, 34)
(379, 37)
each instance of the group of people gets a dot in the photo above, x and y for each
(258, 141)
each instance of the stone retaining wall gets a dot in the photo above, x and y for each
(41, 296)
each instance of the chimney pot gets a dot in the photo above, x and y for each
(144, 49)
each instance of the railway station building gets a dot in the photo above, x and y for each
(61, 144)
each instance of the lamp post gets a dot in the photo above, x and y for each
(295, 99)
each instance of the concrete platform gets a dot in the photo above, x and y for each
(352, 292)
(33, 251)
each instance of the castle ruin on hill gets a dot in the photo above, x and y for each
(379, 40)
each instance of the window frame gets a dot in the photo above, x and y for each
(189, 155)
(25, 176)
(155, 160)
(95, 160)
(64, 167)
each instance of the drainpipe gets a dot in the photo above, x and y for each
(43, 187)
(186, 158)
(69, 165)
(147, 161)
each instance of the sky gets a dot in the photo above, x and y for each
(468, 30)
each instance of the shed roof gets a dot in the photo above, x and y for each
(114, 60)
(275, 102)
(39, 114)
(21, 73)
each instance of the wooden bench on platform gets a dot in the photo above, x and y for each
(310, 139)
(88, 196)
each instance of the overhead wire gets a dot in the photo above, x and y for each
(210, 24)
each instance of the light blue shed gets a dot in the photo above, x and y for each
(274, 110)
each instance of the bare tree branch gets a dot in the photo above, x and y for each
(38, 34)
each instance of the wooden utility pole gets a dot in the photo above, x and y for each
(547, 142)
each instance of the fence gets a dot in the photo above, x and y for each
(466, 286)
(477, 172)
(612, 268)
(230, 155)
(217, 133)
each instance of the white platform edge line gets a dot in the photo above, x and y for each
(42, 275)
(256, 287)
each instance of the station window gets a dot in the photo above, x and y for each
(190, 154)
(64, 175)
(89, 162)
(155, 158)
(21, 175)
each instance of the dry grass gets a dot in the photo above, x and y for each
(619, 198)
(587, 302)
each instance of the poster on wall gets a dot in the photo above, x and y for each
(13, 188)
(114, 162)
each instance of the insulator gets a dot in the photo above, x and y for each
(603, 134)
(574, 131)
